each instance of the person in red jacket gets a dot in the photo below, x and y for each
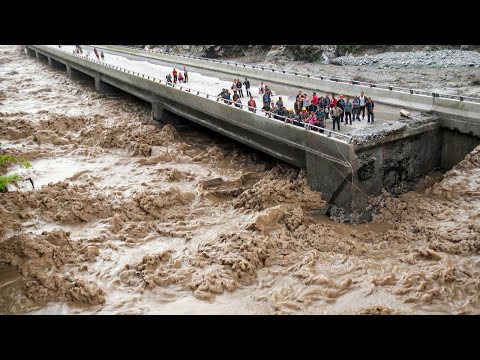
(252, 105)
(333, 102)
(174, 75)
(314, 99)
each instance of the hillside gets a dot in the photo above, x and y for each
(314, 53)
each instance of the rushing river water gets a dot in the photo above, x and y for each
(127, 218)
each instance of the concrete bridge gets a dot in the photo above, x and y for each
(344, 172)
(458, 113)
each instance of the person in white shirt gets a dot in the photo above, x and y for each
(363, 100)
(261, 88)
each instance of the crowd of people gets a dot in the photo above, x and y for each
(306, 111)
(177, 76)
(318, 109)
(78, 50)
(98, 56)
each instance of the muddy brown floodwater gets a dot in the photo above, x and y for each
(126, 218)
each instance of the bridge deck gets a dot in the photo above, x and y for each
(457, 113)
(211, 81)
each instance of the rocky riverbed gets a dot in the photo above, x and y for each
(417, 59)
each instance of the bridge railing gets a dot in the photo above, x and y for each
(308, 75)
(307, 127)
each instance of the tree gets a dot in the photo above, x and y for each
(5, 161)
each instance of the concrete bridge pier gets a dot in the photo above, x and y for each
(41, 56)
(331, 177)
(30, 52)
(56, 64)
(163, 116)
(332, 167)
(455, 146)
(157, 111)
(104, 88)
(73, 73)
(76, 74)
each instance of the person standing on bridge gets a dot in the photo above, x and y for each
(266, 102)
(236, 101)
(266, 106)
(356, 108)
(96, 54)
(268, 91)
(327, 102)
(306, 102)
(299, 96)
(313, 107)
(363, 100)
(333, 102)
(102, 55)
(252, 105)
(291, 117)
(247, 87)
(226, 97)
(341, 105)
(279, 103)
(281, 113)
(314, 99)
(239, 88)
(174, 72)
(348, 111)
(185, 73)
(298, 106)
(273, 110)
(312, 118)
(336, 113)
(234, 87)
(261, 88)
(321, 123)
(370, 105)
(320, 119)
(321, 103)
(302, 117)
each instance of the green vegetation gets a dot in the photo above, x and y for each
(7, 179)
(5, 161)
